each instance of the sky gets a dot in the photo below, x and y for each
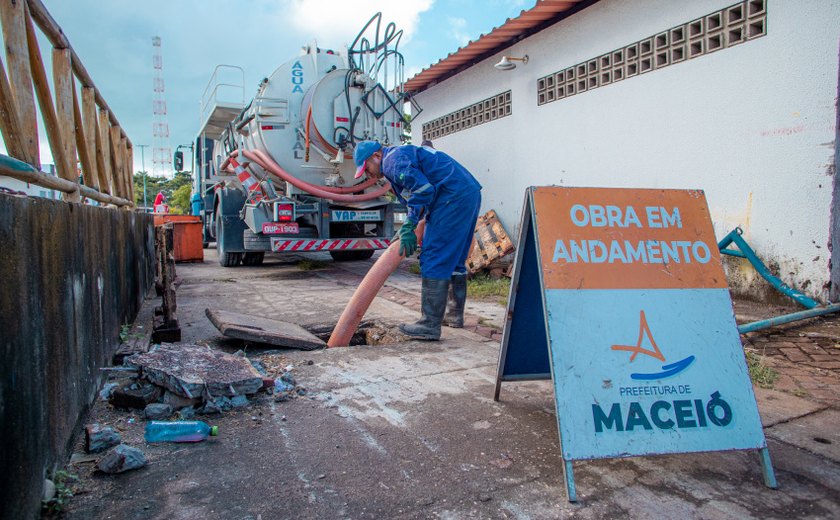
(113, 38)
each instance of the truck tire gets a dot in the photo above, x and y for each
(225, 259)
(349, 256)
(253, 258)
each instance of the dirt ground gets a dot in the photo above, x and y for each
(407, 429)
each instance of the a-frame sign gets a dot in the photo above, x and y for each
(619, 297)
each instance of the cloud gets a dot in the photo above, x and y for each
(457, 30)
(340, 22)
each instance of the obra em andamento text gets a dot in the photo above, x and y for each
(628, 251)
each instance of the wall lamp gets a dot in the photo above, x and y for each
(506, 63)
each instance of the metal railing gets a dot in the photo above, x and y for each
(85, 133)
(210, 97)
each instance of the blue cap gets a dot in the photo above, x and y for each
(362, 153)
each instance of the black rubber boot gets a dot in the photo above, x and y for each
(432, 307)
(457, 298)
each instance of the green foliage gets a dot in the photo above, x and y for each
(484, 287)
(311, 265)
(169, 187)
(406, 130)
(414, 268)
(179, 203)
(64, 481)
(760, 373)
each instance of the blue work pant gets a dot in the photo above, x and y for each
(450, 225)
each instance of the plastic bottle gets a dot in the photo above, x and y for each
(179, 431)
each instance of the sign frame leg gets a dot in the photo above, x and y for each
(569, 477)
(767, 468)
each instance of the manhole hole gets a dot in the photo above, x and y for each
(822, 440)
(368, 333)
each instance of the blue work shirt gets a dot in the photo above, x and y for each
(422, 177)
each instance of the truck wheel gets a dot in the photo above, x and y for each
(226, 259)
(253, 258)
(349, 256)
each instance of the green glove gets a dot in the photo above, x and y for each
(408, 240)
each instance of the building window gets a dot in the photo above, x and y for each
(722, 29)
(476, 114)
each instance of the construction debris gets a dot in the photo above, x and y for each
(122, 458)
(263, 330)
(491, 244)
(193, 371)
(166, 326)
(99, 439)
(134, 394)
(158, 412)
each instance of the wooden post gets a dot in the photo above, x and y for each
(10, 119)
(116, 157)
(129, 161)
(14, 37)
(91, 131)
(42, 89)
(85, 157)
(103, 151)
(65, 91)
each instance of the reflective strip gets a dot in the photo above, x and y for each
(423, 188)
(328, 245)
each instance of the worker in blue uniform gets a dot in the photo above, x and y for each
(436, 187)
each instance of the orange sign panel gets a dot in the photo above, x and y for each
(596, 238)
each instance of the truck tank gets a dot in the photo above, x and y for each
(282, 174)
(317, 100)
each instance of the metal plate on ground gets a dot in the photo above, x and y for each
(263, 330)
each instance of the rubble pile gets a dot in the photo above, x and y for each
(176, 382)
(192, 379)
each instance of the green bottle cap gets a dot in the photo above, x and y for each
(214, 430)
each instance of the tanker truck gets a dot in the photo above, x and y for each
(276, 174)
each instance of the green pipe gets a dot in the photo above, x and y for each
(749, 254)
(787, 318)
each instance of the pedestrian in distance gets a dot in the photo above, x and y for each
(436, 187)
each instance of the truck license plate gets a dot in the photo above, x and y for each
(280, 228)
(342, 215)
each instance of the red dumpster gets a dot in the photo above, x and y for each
(188, 236)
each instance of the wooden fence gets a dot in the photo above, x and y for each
(85, 133)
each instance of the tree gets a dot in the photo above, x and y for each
(179, 203)
(169, 188)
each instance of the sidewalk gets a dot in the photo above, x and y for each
(410, 430)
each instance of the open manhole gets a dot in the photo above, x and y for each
(368, 333)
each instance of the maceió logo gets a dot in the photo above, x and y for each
(668, 370)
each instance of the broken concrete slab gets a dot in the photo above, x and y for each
(263, 330)
(193, 371)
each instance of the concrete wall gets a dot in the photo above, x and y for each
(71, 276)
(753, 125)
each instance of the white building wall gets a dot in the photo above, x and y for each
(753, 125)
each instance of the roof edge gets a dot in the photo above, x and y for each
(452, 65)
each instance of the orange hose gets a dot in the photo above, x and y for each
(349, 321)
(318, 191)
(308, 119)
(266, 158)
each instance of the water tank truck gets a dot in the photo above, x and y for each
(276, 174)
